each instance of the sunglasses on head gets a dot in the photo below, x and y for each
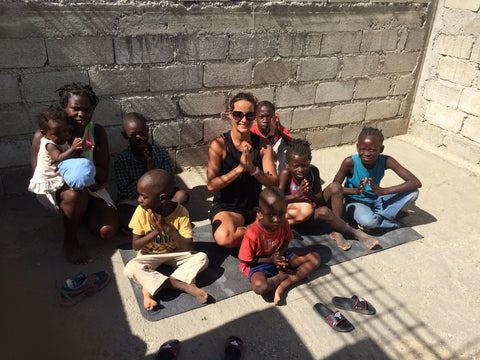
(238, 115)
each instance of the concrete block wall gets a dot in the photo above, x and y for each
(330, 67)
(446, 109)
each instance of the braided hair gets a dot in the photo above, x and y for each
(67, 91)
(371, 131)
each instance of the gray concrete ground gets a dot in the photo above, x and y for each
(426, 292)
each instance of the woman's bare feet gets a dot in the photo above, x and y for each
(76, 255)
(148, 302)
(368, 241)
(341, 242)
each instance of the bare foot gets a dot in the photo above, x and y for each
(278, 297)
(197, 293)
(341, 242)
(148, 302)
(368, 241)
(75, 255)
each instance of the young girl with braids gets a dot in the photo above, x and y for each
(79, 102)
(308, 203)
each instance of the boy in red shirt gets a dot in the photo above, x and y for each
(263, 254)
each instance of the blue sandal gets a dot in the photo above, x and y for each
(74, 289)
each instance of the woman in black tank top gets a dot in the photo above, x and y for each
(239, 163)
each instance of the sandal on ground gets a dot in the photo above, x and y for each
(355, 303)
(76, 288)
(334, 318)
(233, 348)
(168, 350)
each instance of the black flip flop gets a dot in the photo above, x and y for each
(333, 318)
(355, 303)
(233, 348)
(168, 350)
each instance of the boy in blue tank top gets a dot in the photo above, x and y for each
(369, 204)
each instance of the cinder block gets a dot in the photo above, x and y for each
(228, 74)
(285, 117)
(203, 103)
(317, 69)
(361, 65)
(18, 149)
(442, 92)
(459, 21)
(152, 107)
(341, 42)
(192, 156)
(456, 71)
(253, 45)
(10, 90)
(191, 131)
(476, 51)
(403, 85)
(458, 46)
(299, 44)
(428, 132)
(324, 138)
(15, 120)
(470, 101)
(176, 78)
(295, 95)
(347, 113)
(149, 49)
(213, 127)
(379, 40)
(400, 62)
(393, 127)
(116, 142)
(166, 134)
(471, 128)
(472, 5)
(108, 112)
(334, 91)
(311, 117)
(383, 109)
(415, 39)
(444, 117)
(350, 133)
(196, 47)
(262, 93)
(462, 147)
(371, 88)
(42, 86)
(274, 71)
(94, 51)
(22, 53)
(119, 81)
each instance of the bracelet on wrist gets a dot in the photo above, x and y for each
(257, 170)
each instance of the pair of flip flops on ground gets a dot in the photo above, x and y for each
(336, 320)
(233, 349)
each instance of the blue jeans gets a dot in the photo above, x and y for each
(379, 212)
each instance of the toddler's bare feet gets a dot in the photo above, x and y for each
(76, 255)
(341, 242)
(368, 241)
(148, 302)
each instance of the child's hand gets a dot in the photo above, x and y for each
(148, 159)
(276, 128)
(86, 147)
(77, 144)
(304, 188)
(156, 220)
(377, 190)
(278, 260)
(361, 187)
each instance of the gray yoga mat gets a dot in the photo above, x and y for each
(223, 279)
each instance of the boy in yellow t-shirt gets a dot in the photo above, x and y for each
(162, 234)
